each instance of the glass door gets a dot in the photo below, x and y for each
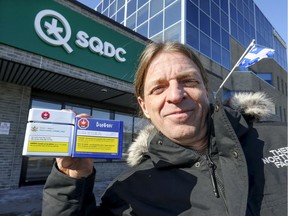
(36, 169)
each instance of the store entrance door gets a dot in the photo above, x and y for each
(35, 170)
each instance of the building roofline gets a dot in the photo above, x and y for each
(279, 38)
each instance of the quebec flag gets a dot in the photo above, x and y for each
(256, 54)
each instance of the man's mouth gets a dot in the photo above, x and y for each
(179, 113)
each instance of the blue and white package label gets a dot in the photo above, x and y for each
(97, 138)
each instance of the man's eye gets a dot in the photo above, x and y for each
(157, 90)
(190, 82)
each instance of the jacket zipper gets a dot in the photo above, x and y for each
(212, 168)
(215, 181)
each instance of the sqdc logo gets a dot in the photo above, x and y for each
(53, 29)
(59, 35)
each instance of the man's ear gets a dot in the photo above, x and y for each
(143, 107)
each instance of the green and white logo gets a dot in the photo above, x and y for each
(56, 31)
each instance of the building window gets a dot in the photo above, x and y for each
(224, 5)
(227, 94)
(173, 33)
(205, 6)
(139, 124)
(172, 14)
(224, 21)
(127, 129)
(204, 23)
(99, 8)
(143, 29)
(141, 3)
(131, 22)
(112, 9)
(216, 52)
(195, 2)
(106, 12)
(78, 109)
(142, 15)
(192, 14)
(156, 24)
(233, 13)
(225, 58)
(266, 77)
(100, 114)
(240, 19)
(105, 4)
(215, 12)
(192, 36)
(216, 31)
(168, 2)
(216, 2)
(120, 4)
(120, 15)
(131, 7)
(158, 37)
(205, 44)
(155, 7)
(45, 105)
(225, 39)
(234, 29)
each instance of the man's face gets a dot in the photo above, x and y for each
(175, 98)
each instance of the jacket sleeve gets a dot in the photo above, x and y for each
(63, 195)
(266, 152)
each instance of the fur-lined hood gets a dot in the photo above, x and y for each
(253, 106)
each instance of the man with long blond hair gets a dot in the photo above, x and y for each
(195, 158)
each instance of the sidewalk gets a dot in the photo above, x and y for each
(26, 201)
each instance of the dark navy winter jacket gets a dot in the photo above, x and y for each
(244, 174)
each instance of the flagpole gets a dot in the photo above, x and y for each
(240, 59)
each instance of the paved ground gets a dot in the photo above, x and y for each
(26, 201)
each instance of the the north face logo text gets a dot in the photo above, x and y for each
(279, 157)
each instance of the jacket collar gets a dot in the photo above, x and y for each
(165, 153)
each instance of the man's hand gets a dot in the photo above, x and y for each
(76, 167)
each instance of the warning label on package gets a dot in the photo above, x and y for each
(48, 144)
(97, 144)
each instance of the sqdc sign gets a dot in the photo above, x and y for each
(51, 33)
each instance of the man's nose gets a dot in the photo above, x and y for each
(175, 92)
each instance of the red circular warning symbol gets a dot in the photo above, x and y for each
(83, 123)
(45, 115)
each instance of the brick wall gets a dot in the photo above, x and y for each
(14, 105)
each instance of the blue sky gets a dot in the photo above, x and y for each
(274, 10)
(90, 3)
